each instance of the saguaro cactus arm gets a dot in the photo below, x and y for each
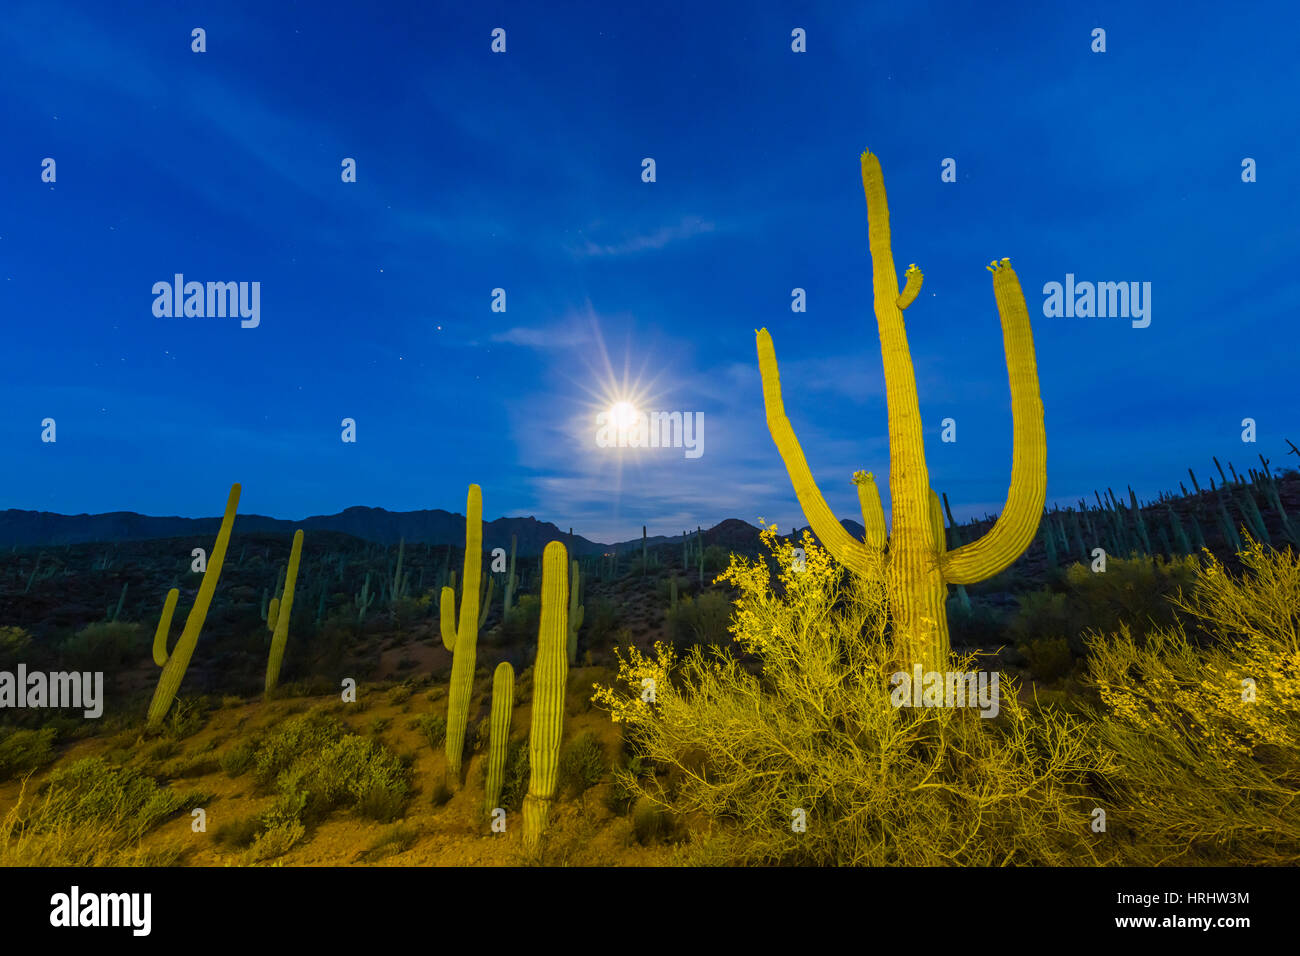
(164, 627)
(912, 289)
(873, 514)
(447, 619)
(1016, 526)
(850, 552)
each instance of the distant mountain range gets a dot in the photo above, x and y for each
(25, 529)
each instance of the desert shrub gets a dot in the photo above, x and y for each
(92, 814)
(441, 792)
(104, 645)
(515, 778)
(396, 839)
(1205, 740)
(621, 794)
(400, 694)
(22, 751)
(15, 647)
(433, 727)
(1049, 658)
(297, 737)
(649, 821)
(162, 750)
(700, 619)
(600, 618)
(975, 626)
(520, 625)
(186, 718)
(239, 758)
(1139, 592)
(408, 610)
(715, 559)
(582, 764)
(238, 833)
(815, 730)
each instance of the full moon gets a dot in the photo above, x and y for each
(623, 414)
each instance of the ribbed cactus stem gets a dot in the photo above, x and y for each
(576, 612)
(272, 614)
(503, 697)
(466, 640)
(281, 636)
(179, 659)
(398, 584)
(510, 580)
(486, 603)
(550, 677)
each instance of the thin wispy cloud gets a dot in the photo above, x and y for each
(647, 242)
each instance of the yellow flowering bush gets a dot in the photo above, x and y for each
(785, 748)
(1205, 741)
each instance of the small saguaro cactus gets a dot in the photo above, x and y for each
(115, 612)
(282, 617)
(576, 612)
(503, 700)
(916, 568)
(364, 600)
(550, 677)
(463, 640)
(174, 665)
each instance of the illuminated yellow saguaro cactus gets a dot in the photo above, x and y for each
(550, 678)
(281, 612)
(464, 642)
(914, 561)
(174, 665)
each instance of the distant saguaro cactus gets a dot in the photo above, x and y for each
(918, 567)
(282, 617)
(576, 612)
(463, 640)
(550, 677)
(174, 665)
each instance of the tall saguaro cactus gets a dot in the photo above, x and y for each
(917, 567)
(463, 641)
(174, 665)
(550, 676)
(281, 635)
(503, 700)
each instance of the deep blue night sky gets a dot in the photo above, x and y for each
(523, 171)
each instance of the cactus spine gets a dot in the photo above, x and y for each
(174, 665)
(503, 699)
(916, 574)
(550, 677)
(576, 612)
(464, 641)
(282, 617)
